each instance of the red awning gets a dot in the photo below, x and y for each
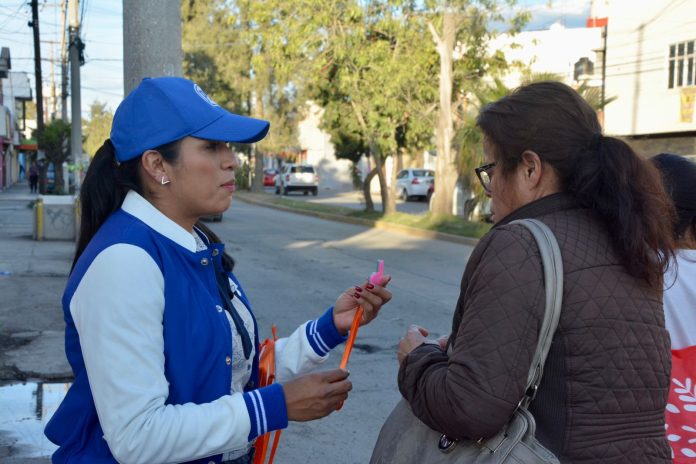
(597, 22)
(27, 147)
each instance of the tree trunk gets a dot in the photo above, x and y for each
(376, 156)
(391, 202)
(383, 190)
(58, 179)
(445, 168)
(369, 205)
(257, 180)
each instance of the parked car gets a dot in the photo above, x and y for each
(269, 176)
(297, 177)
(412, 183)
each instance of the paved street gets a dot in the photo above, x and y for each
(292, 267)
(356, 200)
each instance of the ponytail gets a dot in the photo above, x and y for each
(626, 191)
(102, 192)
(602, 173)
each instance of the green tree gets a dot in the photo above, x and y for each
(98, 128)
(240, 53)
(55, 141)
(372, 74)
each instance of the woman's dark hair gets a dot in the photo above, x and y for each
(602, 173)
(679, 175)
(105, 187)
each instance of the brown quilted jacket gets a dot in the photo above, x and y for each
(606, 379)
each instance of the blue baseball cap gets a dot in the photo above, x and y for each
(162, 110)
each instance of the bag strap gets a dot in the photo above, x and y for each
(553, 284)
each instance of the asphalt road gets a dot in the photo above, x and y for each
(292, 267)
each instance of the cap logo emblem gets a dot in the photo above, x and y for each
(204, 96)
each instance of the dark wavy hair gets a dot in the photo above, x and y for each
(602, 173)
(105, 187)
(679, 175)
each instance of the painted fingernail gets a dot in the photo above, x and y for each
(358, 289)
(370, 286)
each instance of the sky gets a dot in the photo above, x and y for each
(102, 32)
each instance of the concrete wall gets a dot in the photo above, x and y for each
(334, 174)
(639, 36)
(650, 146)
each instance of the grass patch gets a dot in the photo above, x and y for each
(314, 207)
(438, 223)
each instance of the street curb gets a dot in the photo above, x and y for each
(378, 224)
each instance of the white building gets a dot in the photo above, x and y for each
(318, 151)
(651, 70)
(556, 50)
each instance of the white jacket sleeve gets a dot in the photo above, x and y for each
(118, 312)
(307, 347)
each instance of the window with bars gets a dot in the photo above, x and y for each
(682, 64)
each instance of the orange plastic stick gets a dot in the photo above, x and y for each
(351, 338)
(276, 438)
(351, 341)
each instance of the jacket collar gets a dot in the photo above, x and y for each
(139, 207)
(546, 205)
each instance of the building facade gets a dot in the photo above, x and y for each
(651, 72)
(14, 91)
(572, 54)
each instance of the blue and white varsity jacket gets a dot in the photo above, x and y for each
(150, 347)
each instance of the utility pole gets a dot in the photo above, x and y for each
(63, 63)
(151, 47)
(53, 108)
(34, 24)
(75, 103)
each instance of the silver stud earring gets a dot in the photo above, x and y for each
(164, 181)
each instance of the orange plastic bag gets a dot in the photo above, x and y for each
(267, 377)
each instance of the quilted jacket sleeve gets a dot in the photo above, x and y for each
(473, 391)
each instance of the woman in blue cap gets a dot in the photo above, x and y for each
(159, 333)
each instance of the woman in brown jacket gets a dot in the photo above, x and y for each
(606, 379)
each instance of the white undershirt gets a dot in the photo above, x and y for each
(241, 367)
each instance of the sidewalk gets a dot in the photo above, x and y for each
(33, 366)
(32, 277)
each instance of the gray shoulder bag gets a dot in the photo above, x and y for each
(405, 439)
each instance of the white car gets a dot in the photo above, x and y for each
(412, 183)
(302, 177)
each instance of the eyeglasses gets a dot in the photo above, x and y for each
(484, 173)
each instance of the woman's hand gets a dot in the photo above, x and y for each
(415, 337)
(368, 296)
(316, 395)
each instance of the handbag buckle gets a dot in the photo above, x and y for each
(446, 444)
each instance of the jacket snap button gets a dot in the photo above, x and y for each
(219, 308)
(204, 261)
(216, 252)
(228, 360)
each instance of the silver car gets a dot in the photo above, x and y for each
(299, 177)
(411, 183)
